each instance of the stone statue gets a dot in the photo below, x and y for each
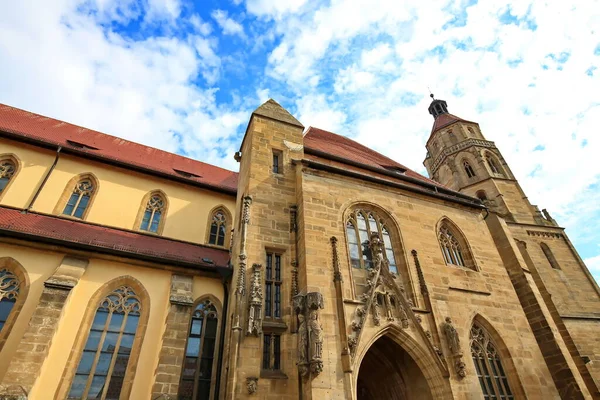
(376, 310)
(255, 304)
(389, 308)
(314, 302)
(252, 385)
(302, 345)
(452, 337)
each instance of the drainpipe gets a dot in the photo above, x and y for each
(225, 275)
(39, 189)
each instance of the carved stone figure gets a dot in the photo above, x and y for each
(255, 303)
(252, 385)
(460, 368)
(314, 302)
(452, 337)
(376, 310)
(389, 307)
(302, 345)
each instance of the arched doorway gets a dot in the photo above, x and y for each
(388, 372)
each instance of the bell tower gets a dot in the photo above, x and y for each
(460, 157)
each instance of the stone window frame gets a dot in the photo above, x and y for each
(274, 282)
(503, 352)
(219, 310)
(142, 210)
(19, 271)
(493, 164)
(550, 256)
(398, 247)
(68, 191)
(466, 252)
(468, 168)
(17, 168)
(271, 372)
(277, 168)
(84, 330)
(228, 225)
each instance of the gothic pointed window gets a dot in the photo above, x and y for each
(454, 252)
(153, 214)
(80, 198)
(9, 291)
(359, 228)
(468, 169)
(7, 171)
(549, 256)
(488, 364)
(101, 370)
(493, 165)
(218, 229)
(196, 376)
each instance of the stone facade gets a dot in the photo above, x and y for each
(352, 278)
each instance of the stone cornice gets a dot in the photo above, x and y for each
(458, 147)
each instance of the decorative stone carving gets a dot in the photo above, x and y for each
(314, 303)
(422, 284)
(454, 346)
(252, 385)
(310, 333)
(300, 310)
(293, 222)
(294, 279)
(240, 290)
(255, 302)
(337, 274)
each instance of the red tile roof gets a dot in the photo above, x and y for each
(38, 128)
(45, 228)
(347, 149)
(444, 120)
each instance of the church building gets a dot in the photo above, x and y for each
(322, 270)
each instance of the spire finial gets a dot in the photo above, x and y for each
(430, 94)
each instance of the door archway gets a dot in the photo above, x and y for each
(387, 371)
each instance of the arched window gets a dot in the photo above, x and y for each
(7, 171)
(492, 378)
(218, 228)
(492, 164)
(80, 198)
(199, 354)
(101, 370)
(359, 227)
(454, 247)
(468, 169)
(153, 213)
(9, 292)
(471, 131)
(549, 256)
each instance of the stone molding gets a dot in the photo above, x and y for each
(458, 147)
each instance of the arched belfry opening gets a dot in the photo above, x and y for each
(388, 372)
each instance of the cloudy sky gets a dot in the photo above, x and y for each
(185, 76)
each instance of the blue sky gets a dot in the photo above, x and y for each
(185, 76)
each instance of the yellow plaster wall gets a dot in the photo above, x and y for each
(119, 195)
(39, 266)
(34, 163)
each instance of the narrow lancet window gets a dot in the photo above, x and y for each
(153, 214)
(218, 228)
(468, 169)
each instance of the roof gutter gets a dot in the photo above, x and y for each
(111, 161)
(473, 204)
(39, 189)
(436, 188)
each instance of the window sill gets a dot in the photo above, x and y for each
(274, 325)
(272, 374)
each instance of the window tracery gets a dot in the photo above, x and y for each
(9, 291)
(493, 165)
(454, 252)
(153, 213)
(490, 371)
(103, 364)
(199, 354)
(468, 169)
(7, 171)
(218, 228)
(80, 198)
(359, 227)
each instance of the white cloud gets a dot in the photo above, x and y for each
(314, 110)
(273, 8)
(204, 28)
(228, 25)
(146, 90)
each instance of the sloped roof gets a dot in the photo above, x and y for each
(444, 120)
(347, 149)
(37, 128)
(272, 109)
(45, 228)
